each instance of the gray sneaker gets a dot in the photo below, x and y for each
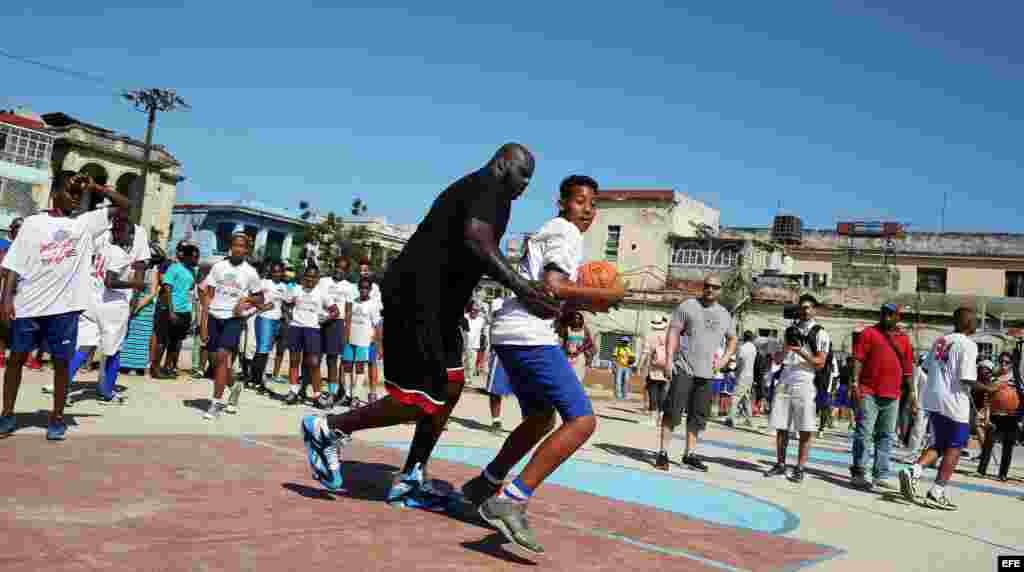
(509, 517)
(908, 485)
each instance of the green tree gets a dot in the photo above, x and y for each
(335, 238)
(359, 208)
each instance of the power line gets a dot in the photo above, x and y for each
(57, 69)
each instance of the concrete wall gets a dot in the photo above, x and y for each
(646, 226)
(979, 281)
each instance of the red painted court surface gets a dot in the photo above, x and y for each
(211, 503)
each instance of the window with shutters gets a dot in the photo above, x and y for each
(611, 245)
(931, 280)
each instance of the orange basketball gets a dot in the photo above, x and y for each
(598, 274)
(1006, 400)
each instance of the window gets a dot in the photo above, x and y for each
(931, 280)
(611, 246)
(24, 146)
(224, 232)
(813, 280)
(1015, 284)
(985, 351)
(766, 333)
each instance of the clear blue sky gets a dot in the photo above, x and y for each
(845, 110)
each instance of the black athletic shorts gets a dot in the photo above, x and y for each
(172, 334)
(422, 353)
(692, 394)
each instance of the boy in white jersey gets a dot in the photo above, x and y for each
(268, 323)
(311, 307)
(46, 288)
(342, 293)
(952, 376)
(230, 290)
(539, 372)
(364, 331)
(114, 260)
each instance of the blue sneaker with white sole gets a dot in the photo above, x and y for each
(56, 430)
(413, 491)
(323, 450)
(407, 484)
(8, 423)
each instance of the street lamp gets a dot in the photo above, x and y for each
(150, 101)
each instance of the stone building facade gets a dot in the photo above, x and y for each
(116, 160)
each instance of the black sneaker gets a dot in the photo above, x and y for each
(323, 402)
(292, 399)
(661, 463)
(776, 471)
(694, 463)
(496, 426)
(798, 474)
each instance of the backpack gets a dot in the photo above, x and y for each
(823, 376)
(660, 360)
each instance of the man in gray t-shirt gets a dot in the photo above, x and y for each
(707, 327)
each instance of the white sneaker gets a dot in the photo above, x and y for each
(941, 501)
(231, 409)
(48, 388)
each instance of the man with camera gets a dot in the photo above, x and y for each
(706, 324)
(793, 406)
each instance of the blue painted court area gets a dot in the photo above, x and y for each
(662, 491)
(837, 459)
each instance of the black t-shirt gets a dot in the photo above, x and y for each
(436, 271)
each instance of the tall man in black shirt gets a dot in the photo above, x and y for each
(424, 292)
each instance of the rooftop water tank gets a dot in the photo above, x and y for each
(788, 229)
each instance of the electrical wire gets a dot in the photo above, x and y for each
(59, 69)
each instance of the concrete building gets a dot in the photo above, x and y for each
(277, 233)
(931, 274)
(383, 241)
(25, 175)
(639, 231)
(116, 160)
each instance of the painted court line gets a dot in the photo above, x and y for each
(568, 524)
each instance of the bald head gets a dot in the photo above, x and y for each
(513, 166)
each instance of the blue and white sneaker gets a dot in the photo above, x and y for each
(55, 430)
(323, 449)
(407, 484)
(413, 491)
(8, 423)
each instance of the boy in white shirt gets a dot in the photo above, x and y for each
(539, 372)
(113, 309)
(230, 290)
(46, 287)
(342, 293)
(364, 330)
(374, 355)
(311, 307)
(952, 376)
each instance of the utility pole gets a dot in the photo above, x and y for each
(149, 101)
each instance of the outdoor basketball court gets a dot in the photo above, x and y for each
(150, 486)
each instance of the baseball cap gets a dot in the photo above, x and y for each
(891, 307)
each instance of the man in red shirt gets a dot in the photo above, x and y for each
(883, 366)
